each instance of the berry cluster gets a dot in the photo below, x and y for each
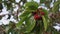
(38, 13)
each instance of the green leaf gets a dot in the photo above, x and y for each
(42, 1)
(27, 12)
(23, 19)
(56, 6)
(45, 22)
(30, 25)
(31, 5)
(46, 13)
(9, 6)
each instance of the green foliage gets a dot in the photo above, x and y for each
(8, 4)
(25, 13)
(46, 13)
(21, 21)
(45, 22)
(26, 16)
(42, 1)
(45, 19)
(31, 5)
(56, 6)
(31, 23)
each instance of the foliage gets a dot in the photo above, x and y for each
(33, 19)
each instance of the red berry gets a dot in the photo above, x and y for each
(42, 13)
(36, 17)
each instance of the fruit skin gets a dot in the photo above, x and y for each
(42, 13)
(37, 17)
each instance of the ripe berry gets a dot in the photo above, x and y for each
(42, 13)
(37, 17)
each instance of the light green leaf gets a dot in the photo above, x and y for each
(25, 13)
(45, 22)
(56, 6)
(23, 19)
(30, 25)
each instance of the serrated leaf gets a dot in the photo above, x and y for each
(45, 23)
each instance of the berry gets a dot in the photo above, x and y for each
(42, 13)
(37, 17)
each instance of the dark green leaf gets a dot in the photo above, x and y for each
(42, 1)
(31, 5)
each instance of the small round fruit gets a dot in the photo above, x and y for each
(37, 17)
(42, 13)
